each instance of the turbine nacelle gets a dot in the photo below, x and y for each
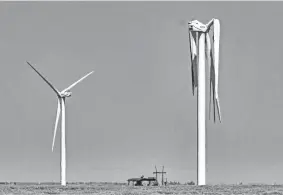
(65, 94)
(197, 26)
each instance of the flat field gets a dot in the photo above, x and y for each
(114, 189)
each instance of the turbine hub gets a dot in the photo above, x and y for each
(197, 26)
(66, 94)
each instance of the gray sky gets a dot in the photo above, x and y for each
(137, 109)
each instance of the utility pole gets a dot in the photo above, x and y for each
(162, 173)
(156, 174)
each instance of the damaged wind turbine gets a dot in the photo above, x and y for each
(200, 50)
(196, 28)
(61, 108)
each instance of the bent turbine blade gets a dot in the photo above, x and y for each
(54, 89)
(208, 49)
(209, 112)
(208, 25)
(71, 86)
(216, 38)
(208, 56)
(191, 56)
(214, 107)
(56, 121)
(194, 53)
(218, 109)
(197, 35)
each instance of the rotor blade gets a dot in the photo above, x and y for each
(192, 45)
(208, 48)
(213, 95)
(212, 76)
(208, 25)
(54, 89)
(210, 64)
(218, 109)
(209, 99)
(193, 59)
(71, 86)
(56, 122)
(196, 60)
(216, 37)
(193, 79)
(195, 67)
(191, 55)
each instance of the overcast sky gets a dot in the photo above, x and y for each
(137, 110)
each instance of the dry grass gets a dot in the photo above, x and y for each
(112, 189)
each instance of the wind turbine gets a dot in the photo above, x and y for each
(61, 108)
(200, 49)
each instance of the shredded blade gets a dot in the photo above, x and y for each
(216, 39)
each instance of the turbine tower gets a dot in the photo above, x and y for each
(200, 50)
(61, 108)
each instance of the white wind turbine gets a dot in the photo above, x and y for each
(61, 108)
(200, 49)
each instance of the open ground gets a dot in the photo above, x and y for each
(123, 189)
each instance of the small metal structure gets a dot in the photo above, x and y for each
(162, 173)
(139, 181)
